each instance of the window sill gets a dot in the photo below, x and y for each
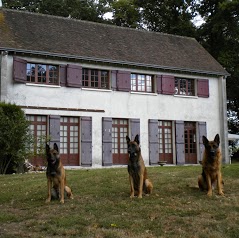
(144, 93)
(183, 96)
(97, 89)
(43, 85)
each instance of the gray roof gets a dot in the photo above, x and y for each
(57, 36)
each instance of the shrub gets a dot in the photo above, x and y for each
(14, 138)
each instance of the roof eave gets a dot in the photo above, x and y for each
(102, 60)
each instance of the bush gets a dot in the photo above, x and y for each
(14, 138)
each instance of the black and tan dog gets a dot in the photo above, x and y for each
(56, 176)
(211, 167)
(138, 178)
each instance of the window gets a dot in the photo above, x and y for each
(165, 141)
(141, 83)
(69, 140)
(94, 78)
(38, 129)
(184, 87)
(119, 144)
(43, 74)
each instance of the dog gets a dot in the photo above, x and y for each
(138, 178)
(211, 167)
(56, 176)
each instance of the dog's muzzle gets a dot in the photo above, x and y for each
(212, 153)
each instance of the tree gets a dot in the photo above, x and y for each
(14, 138)
(168, 16)
(126, 13)
(220, 36)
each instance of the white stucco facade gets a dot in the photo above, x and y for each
(116, 104)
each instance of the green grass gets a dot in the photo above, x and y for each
(102, 208)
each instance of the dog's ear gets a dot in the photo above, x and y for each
(47, 149)
(127, 139)
(136, 139)
(204, 140)
(217, 139)
(56, 147)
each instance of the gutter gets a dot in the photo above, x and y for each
(113, 61)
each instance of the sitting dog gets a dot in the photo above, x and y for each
(56, 176)
(138, 178)
(211, 167)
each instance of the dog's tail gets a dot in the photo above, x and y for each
(68, 192)
(149, 186)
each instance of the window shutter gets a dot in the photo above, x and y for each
(74, 76)
(54, 130)
(123, 81)
(168, 84)
(202, 131)
(62, 76)
(113, 79)
(203, 88)
(107, 141)
(159, 83)
(135, 128)
(153, 142)
(180, 146)
(86, 141)
(19, 70)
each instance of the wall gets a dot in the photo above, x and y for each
(114, 103)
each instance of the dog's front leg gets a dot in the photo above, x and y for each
(62, 187)
(209, 185)
(131, 181)
(141, 181)
(48, 190)
(219, 184)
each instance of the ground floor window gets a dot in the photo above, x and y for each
(69, 140)
(119, 145)
(38, 128)
(190, 142)
(165, 141)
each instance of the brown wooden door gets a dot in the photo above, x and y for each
(119, 144)
(190, 143)
(165, 141)
(38, 128)
(69, 140)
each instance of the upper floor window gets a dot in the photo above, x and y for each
(42, 73)
(184, 86)
(94, 78)
(141, 83)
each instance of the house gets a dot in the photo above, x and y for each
(87, 85)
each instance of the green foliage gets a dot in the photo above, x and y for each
(14, 137)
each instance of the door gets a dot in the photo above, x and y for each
(119, 144)
(165, 141)
(190, 143)
(69, 140)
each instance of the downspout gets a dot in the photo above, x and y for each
(0, 76)
(223, 122)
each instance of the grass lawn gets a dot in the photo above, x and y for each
(102, 207)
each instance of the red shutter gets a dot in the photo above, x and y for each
(19, 70)
(63, 75)
(74, 76)
(123, 81)
(168, 84)
(203, 88)
(159, 83)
